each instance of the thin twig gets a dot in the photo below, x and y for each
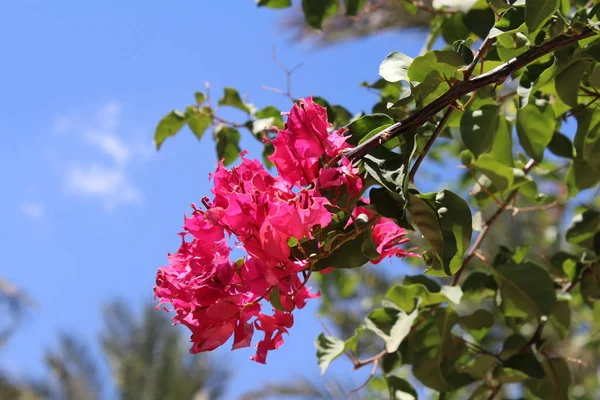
(288, 77)
(488, 224)
(495, 76)
(371, 375)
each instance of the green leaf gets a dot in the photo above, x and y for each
(169, 126)
(328, 349)
(556, 383)
(537, 12)
(198, 120)
(501, 175)
(434, 86)
(227, 141)
(590, 149)
(590, 287)
(480, 366)
(400, 389)
(583, 227)
(391, 324)
(342, 116)
(389, 169)
(232, 98)
(200, 98)
(561, 146)
(426, 220)
(354, 7)
(349, 255)
(404, 295)
(502, 147)
(317, 11)
(274, 3)
(457, 228)
(511, 21)
(478, 128)
(561, 318)
(361, 127)
(535, 127)
(580, 176)
(526, 363)
(390, 205)
(395, 67)
(463, 48)
(445, 62)
(477, 324)
(528, 287)
(568, 80)
(275, 299)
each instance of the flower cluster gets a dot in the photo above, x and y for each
(217, 298)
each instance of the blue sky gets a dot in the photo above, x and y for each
(90, 210)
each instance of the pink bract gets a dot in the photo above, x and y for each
(217, 298)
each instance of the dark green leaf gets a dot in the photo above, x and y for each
(477, 324)
(583, 227)
(389, 169)
(478, 128)
(400, 389)
(232, 98)
(567, 81)
(535, 127)
(342, 116)
(395, 67)
(561, 318)
(528, 287)
(527, 363)
(480, 21)
(457, 227)
(561, 145)
(590, 149)
(512, 20)
(169, 126)
(317, 11)
(537, 12)
(362, 126)
(348, 255)
(227, 141)
(590, 286)
(389, 205)
(556, 383)
(580, 176)
(477, 281)
(480, 366)
(426, 220)
(353, 7)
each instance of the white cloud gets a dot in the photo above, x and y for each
(105, 173)
(109, 183)
(33, 209)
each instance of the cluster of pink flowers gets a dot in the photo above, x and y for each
(217, 298)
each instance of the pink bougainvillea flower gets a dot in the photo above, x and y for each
(304, 142)
(218, 299)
